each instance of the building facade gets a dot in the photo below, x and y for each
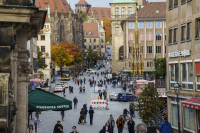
(83, 6)
(151, 26)
(183, 63)
(44, 44)
(120, 9)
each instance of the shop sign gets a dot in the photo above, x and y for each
(191, 106)
(183, 53)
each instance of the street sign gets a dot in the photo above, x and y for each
(55, 75)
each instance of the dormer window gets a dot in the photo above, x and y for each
(84, 33)
(90, 33)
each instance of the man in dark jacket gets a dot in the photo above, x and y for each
(131, 125)
(58, 128)
(100, 95)
(91, 112)
(75, 100)
(85, 108)
(165, 126)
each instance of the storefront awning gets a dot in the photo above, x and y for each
(191, 103)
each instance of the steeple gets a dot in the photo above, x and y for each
(56, 11)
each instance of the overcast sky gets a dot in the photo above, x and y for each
(100, 3)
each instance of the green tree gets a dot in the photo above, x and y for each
(160, 67)
(147, 103)
(92, 56)
(84, 18)
(41, 62)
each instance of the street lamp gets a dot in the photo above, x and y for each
(177, 88)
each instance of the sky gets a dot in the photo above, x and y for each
(100, 3)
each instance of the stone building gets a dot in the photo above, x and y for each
(65, 25)
(120, 9)
(24, 22)
(151, 26)
(83, 6)
(183, 63)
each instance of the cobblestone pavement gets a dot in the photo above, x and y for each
(49, 118)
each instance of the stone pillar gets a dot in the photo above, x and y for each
(23, 71)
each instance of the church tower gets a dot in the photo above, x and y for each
(82, 5)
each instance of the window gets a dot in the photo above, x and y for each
(187, 75)
(42, 37)
(94, 40)
(97, 46)
(85, 47)
(141, 36)
(123, 10)
(90, 40)
(189, 121)
(129, 64)
(175, 3)
(85, 40)
(189, 30)
(101, 46)
(47, 26)
(117, 11)
(130, 36)
(129, 50)
(170, 4)
(121, 52)
(117, 30)
(43, 59)
(198, 75)
(158, 25)
(102, 40)
(175, 35)
(90, 47)
(165, 49)
(174, 74)
(165, 24)
(101, 34)
(129, 11)
(165, 37)
(44, 26)
(140, 25)
(183, 33)
(158, 49)
(149, 64)
(149, 49)
(174, 115)
(131, 25)
(90, 33)
(42, 48)
(158, 36)
(94, 47)
(183, 1)
(149, 25)
(84, 33)
(62, 31)
(197, 29)
(149, 37)
(170, 36)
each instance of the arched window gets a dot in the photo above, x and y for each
(62, 31)
(121, 53)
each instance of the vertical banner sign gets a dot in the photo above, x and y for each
(55, 75)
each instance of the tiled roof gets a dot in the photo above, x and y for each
(82, 2)
(91, 27)
(122, 1)
(149, 11)
(62, 5)
(100, 12)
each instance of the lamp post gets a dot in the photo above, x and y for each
(177, 88)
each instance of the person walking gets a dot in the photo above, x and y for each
(105, 94)
(80, 88)
(64, 92)
(111, 122)
(84, 80)
(85, 108)
(165, 126)
(75, 80)
(75, 100)
(74, 130)
(100, 95)
(78, 81)
(84, 87)
(120, 124)
(131, 125)
(58, 128)
(62, 115)
(81, 81)
(106, 87)
(35, 122)
(82, 112)
(30, 129)
(106, 128)
(91, 112)
(132, 109)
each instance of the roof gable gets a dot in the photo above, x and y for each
(90, 27)
(82, 2)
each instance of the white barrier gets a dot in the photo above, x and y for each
(99, 104)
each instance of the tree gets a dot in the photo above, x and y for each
(92, 56)
(84, 18)
(108, 33)
(107, 25)
(147, 103)
(160, 67)
(39, 56)
(65, 54)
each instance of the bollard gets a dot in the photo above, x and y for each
(107, 103)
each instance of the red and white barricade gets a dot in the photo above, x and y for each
(99, 104)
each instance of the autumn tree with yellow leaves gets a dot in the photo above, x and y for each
(107, 25)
